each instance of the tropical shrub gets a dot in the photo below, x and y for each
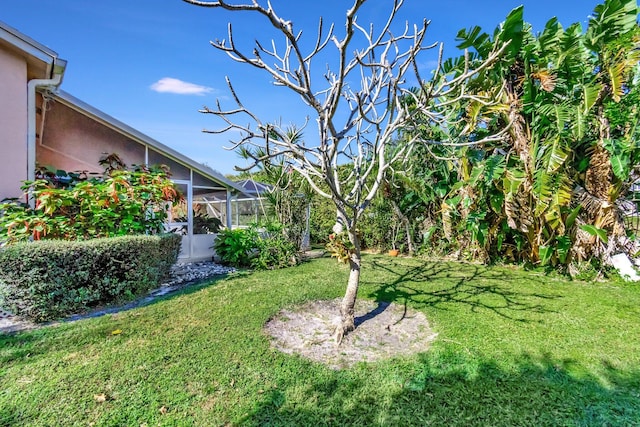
(202, 223)
(275, 251)
(290, 198)
(289, 195)
(260, 247)
(236, 246)
(322, 219)
(564, 107)
(45, 280)
(71, 206)
(340, 247)
(205, 224)
(377, 225)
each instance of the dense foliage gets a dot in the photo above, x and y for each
(50, 279)
(262, 248)
(289, 196)
(548, 190)
(274, 250)
(236, 246)
(73, 206)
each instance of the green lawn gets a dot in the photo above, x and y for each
(514, 348)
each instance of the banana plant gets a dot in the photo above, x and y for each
(569, 100)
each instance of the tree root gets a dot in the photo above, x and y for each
(342, 330)
(338, 335)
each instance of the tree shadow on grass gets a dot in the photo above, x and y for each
(439, 285)
(9, 416)
(536, 392)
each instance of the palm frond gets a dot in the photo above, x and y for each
(619, 71)
(572, 56)
(542, 187)
(549, 39)
(590, 94)
(557, 156)
(616, 78)
(609, 20)
(579, 124)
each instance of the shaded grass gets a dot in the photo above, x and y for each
(514, 348)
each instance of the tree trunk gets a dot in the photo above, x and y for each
(407, 226)
(347, 307)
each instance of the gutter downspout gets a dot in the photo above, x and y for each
(32, 85)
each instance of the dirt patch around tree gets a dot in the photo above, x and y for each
(383, 331)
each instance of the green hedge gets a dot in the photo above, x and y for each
(46, 280)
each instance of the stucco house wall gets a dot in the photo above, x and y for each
(74, 142)
(13, 122)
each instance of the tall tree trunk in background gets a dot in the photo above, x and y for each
(407, 225)
(599, 180)
(520, 138)
(519, 206)
(599, 174)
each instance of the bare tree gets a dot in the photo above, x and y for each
(361, 104)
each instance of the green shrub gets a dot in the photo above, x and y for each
(266, 249)
(377, 226)
(323, 218)
(46, 280)
(340, 247)
(236, 247)
(275, 252)
(70, 207)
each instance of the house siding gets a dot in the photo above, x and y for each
(13, 123)
(74, 142)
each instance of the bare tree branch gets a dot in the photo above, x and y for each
(363, 111)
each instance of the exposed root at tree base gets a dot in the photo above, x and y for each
(342, 329)
(382, 331)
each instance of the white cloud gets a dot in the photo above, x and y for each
(171, 85)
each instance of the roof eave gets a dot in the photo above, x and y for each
(33, 49)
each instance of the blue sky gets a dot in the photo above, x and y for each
(149, 64)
